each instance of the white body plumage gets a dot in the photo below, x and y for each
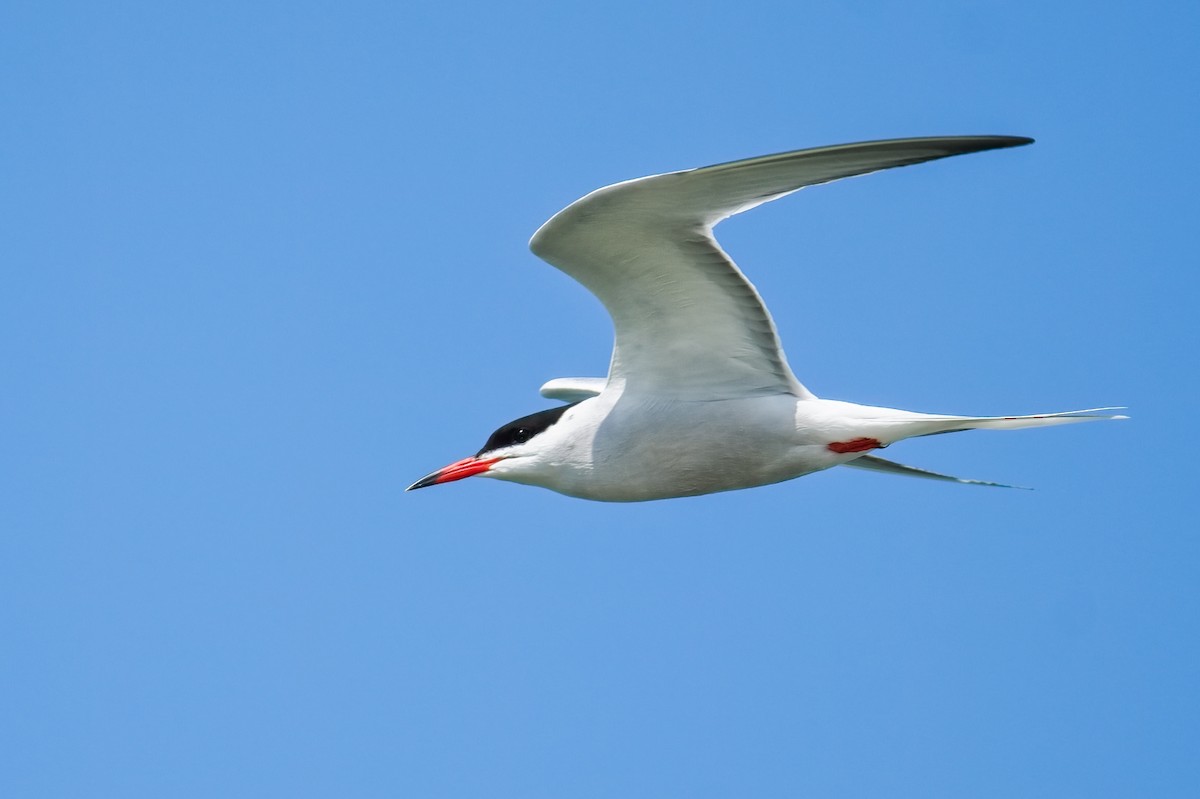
(700, 397)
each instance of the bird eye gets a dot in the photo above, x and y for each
(521, 430)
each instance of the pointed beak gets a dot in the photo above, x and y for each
(455, 471)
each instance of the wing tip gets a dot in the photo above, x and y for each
(573, 389)
(973, 144)
(1020, 141)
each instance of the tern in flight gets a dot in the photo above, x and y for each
(699, 396)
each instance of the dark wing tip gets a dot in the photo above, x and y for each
(974, 144)
(1014, 141)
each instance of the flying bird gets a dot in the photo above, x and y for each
(699, 397)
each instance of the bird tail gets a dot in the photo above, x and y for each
(949, 424)
(891, 428)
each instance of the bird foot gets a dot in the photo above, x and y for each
(855, 445)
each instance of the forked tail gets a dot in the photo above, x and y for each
(931, 424)
(947, 424)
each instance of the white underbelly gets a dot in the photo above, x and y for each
(658, 450)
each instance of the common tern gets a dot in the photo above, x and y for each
(699, 397)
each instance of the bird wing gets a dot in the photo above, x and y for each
(573, 389)
(688, 323)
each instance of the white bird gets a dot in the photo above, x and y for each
(699, 396)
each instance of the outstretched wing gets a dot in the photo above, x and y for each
(688, 323)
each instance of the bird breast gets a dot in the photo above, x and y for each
(640, 448)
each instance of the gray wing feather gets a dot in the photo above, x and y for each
(688, 323)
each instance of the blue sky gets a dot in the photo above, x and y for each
(265, 265)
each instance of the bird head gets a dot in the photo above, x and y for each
(509, 452)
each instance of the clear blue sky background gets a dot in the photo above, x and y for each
(265, 264)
